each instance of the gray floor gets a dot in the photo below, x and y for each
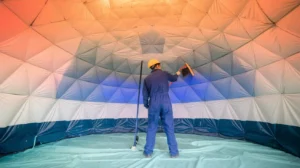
(113, 150)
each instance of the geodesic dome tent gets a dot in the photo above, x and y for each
(71, 68)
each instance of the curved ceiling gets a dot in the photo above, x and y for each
(244, 45)
(105, 32)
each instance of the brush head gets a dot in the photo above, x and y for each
(133, 148)
(187, 70)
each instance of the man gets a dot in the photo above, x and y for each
(156, 99)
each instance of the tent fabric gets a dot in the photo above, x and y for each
(278, 136)
(111, 150)
(74, 64)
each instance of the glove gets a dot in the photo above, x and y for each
(146, 106)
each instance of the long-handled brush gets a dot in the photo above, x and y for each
(136, 137)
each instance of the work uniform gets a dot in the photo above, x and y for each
(156, 99)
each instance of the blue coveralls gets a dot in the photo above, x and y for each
(156, 99)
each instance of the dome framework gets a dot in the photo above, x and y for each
(71, 68)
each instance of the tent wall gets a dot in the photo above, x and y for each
(71, 68)
(21, 137)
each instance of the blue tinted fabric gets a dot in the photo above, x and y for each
(117, 87)
(157, 100)
(20, 137)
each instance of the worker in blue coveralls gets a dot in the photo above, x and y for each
(156, 99)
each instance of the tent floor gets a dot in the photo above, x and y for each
(113, 150)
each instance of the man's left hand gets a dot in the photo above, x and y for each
(146, 106)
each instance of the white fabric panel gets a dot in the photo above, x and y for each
(281, 109)
(263, 86)
(129, 111)
(279, 42)
(253, 12)
(268, 108)
(49, 14)
(17, 83)
(7, 66)
(25, 45)
(229, 113)
(63, 110)
(246, 54)
(242, 108)
(26, 12)
(9, 107)
(192, 109)
(274, 74)
(180, 111)
(10, 23)
(220, 41)
(291, 78)
(201, 5)
(117, 109)
(291, 108)
(50, 31)
(288, 24)
(94, 109)
(24, 80)
(47, 89)
(236, 42)
(220, 14)
(278, 9)
(51, 58)
(38, 108)
(236, 29)
(35, 110)
(216, 108)
(263, 56)
(189, 12)
(71, 45)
